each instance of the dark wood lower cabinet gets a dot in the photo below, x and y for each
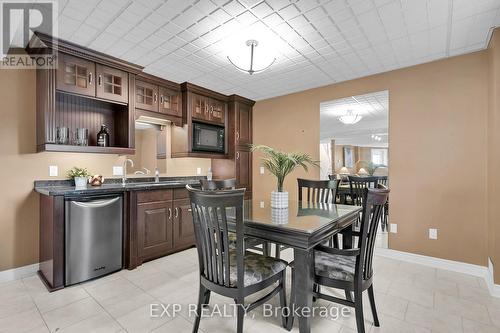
(160, 224)
(183, 224)
(154, 229)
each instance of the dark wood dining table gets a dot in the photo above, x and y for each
(301, 226)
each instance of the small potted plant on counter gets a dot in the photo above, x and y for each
(280, 164)
(80, 176)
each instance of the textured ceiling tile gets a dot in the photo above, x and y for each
(315, 42)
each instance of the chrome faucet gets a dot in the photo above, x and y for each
(124, 177)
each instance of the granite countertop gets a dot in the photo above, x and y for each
(112, 185)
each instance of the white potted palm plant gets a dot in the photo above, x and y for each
(280, 164)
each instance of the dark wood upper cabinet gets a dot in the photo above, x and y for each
(239, 133)
(243, 131)
(112, 84)
(75, 75)
(70, 96)
(170, 101)
(146, 96)
(199, 107)
(217, 110)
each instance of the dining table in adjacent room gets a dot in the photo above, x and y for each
(301, 226)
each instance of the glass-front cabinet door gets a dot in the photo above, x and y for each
(199, 107)
(170, 102)
(217, 111)
(112, 84)
(75, 75)
(146, 96)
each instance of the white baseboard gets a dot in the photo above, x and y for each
(18, 273)
(490, 280)
(456, 266)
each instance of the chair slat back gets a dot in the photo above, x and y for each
(373, 205)
(320, 191)
(222, 184)
(358, 185)
(210, 210)
(384, 180)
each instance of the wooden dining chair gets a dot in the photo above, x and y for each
(350, 269)
(232, 273)
(384, 180)
(316, 191)
(230, 184)
(220, 184)
(358, 185)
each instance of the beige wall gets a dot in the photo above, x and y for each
(441, 185)
(20, 165)
(494, 153)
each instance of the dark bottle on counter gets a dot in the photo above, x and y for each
(103, 137)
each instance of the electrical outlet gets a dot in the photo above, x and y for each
(262, 205)
(393, 228)
(117, 171)
(261, 170)
(198, 171)
(53, 171)
(433, 234)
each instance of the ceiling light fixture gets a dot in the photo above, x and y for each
(253, 44)
(350, 118)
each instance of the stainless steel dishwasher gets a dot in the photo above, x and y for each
(93, 237)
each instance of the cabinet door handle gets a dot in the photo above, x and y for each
(99, 80)
(176, 212)
(90, 78)
(170, 213)
(237, 136)
(237, 155)
(156, 98)
(161, 99)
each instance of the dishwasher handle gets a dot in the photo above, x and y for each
(95, 202)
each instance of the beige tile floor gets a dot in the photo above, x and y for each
(410, 298)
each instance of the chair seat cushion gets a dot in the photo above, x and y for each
(334, 266)
(257, 268)
(249, 241)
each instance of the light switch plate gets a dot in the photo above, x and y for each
(198, 171)
(261, 170)
(394, 228)
(53, 171)
(117, 171)
(262, 204)
(433, 233)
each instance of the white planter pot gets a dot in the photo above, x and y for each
(279, 215)
(279, 199)
(80, 182)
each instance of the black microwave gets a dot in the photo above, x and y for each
(208, 138)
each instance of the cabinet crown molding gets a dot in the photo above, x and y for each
(64, 46)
